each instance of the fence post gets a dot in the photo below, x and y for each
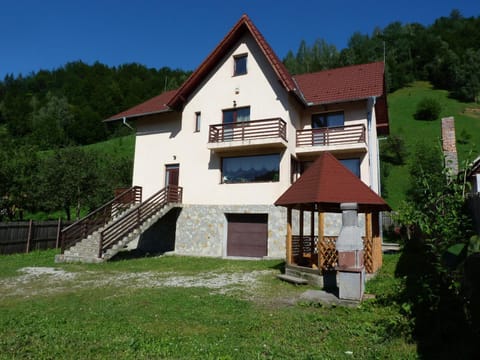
(29, 236)
(59, 228)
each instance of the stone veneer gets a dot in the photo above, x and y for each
(201, 230)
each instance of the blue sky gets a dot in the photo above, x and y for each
(47, 34)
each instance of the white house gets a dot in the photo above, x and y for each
(239, 132)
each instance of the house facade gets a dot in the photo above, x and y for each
(239, 132)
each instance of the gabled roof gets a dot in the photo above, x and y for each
(349, 83)
(154, 105)
(244, 25)
(326, 184)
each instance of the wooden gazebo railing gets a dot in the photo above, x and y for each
(307, 251)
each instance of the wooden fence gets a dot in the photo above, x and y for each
(26, 236)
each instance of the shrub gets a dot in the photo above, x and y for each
(428, 109)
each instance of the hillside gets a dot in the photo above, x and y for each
(402, 105)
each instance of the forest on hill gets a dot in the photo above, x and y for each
(45, 114)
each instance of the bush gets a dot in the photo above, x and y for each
(428, 109)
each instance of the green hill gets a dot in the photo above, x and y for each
(402, 106)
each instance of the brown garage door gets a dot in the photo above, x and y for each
(247, 235)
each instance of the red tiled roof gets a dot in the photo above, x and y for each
(330, 86)
(327, 183)
(154, 105)
(343, 84)
(242, 26)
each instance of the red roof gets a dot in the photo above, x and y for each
(331, 86)
(244, 25)
(343, 84)
(327, 184)
(152, 106)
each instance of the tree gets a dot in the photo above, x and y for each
(68, 179)
(436, 210)
(50, 122)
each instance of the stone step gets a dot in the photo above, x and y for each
(293, 279)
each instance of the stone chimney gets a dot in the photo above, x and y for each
(449, 145)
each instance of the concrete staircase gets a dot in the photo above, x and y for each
(87, 250)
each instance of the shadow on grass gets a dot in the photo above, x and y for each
(442, 328)
(134, 254)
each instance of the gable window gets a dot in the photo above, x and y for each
(327, 120)
(198, 119)
(246, 169)
(240, 65)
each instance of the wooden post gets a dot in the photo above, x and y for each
(289, 236)
(29, 236)
(59, 228)
(377, 242)
(321, 228)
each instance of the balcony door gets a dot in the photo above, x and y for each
(323, 124)
(231, 118)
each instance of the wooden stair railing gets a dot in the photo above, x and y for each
(135, 218)
(99, 217)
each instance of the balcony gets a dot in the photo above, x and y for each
(335, 139)
(265, 133)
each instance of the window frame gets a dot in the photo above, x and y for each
(198, 120)
(234, 112)
(240, 59)
(325, 115)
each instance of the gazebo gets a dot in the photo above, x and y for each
(320, 190)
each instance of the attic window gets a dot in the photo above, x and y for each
(240, 65)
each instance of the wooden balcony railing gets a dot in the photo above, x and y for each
(137, 216)
(338, 135)
(248, 130)
(98, 218)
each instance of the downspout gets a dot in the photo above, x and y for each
(371, 104)
(124, 121)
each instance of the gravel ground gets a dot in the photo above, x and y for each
(33, 281)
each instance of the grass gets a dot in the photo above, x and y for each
(402, 106)
(252, 322)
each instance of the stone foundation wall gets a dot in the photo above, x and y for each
(202, 229)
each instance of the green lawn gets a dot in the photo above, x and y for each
(132, 309)
(402, 106)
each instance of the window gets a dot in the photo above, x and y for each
(352, 164)
(244, 169)
(198, 119)
(240, 65)
(327, 120)
(236, 115)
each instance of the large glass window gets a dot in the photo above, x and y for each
(243, 169)
(240, 65)
(324, 120)
(353, 165)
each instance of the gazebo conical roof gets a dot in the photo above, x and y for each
(326, 184)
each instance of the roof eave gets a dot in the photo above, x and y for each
(132, 117)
